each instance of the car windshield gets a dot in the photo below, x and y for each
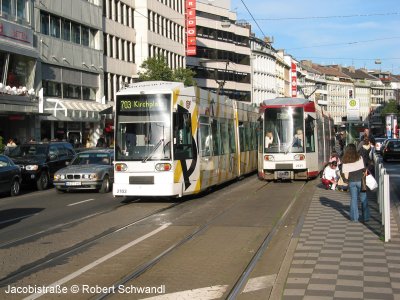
(29, 150)
(91, 159)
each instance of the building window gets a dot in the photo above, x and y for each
(85, 36)
(66, 30)
(44, 23)
(71, 91)
(51, 88)
(88, 93)
(54, 27)
(76, 33)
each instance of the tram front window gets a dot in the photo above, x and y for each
(143, 132)
(283, 130)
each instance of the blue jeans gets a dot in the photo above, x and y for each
(355, 190)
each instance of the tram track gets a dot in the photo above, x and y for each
(62, 254)
(32, 267)
(243, 278)
(240, 283)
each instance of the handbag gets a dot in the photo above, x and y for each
(371, 182)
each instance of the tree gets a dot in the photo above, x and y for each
(156, 68)
(185, 76)
(390, 108)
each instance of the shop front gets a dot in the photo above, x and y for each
(77, 122)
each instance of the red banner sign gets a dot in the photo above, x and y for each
(191, 28)
(294, 80)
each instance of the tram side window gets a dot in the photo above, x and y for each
(224, 137)
(310, 138)
(216, 137)
(231, 133)
(205, 140)
(242, 137)
(182, 136)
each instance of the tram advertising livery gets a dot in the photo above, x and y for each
(298, 139)
(172, 140)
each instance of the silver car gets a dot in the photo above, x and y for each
(92, 169)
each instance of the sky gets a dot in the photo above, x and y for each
(346, 32)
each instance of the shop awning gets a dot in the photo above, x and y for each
(107, 111)
(74, 110)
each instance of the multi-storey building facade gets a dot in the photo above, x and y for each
(263, 62)
(119, 37)
(282, 75)
(70, 65)
(222, 62)
(19, 108)
(338, 87)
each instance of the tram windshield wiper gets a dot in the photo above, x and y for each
(153, 151)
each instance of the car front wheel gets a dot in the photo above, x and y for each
(15, 188)
(43, 181)
(105, 186)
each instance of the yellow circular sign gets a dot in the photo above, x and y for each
(353, 103)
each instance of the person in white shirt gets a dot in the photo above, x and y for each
(330, 176)
(269, 138)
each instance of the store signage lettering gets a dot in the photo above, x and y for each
(190, 10)
(16, 32)
(135, 105)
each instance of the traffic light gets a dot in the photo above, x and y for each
(350, 94)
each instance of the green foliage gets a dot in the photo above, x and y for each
(185, 76)
(390, 108)
(1, 145)
(156, 68)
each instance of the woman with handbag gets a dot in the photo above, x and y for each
(354, 168)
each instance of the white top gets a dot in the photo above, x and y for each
(330, 173)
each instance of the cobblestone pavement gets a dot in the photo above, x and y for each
(339, 259)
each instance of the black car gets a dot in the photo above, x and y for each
(10, 176)
(39, 161)
(391, 149)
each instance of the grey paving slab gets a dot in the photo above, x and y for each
(338, 259)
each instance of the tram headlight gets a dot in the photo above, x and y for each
(299, 157)
(121, 167)
(269, 157)
(163, 167)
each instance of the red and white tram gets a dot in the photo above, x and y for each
(297, 141)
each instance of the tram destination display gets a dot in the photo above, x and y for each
(139, 103)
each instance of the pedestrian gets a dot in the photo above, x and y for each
(330, 176)
(11, 143)
(365, 150)
(368, 134)
(354, 170)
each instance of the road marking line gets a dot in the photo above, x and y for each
(99, 261)
(259, 283)
(15, 219)
(76, 203)
(207, 293)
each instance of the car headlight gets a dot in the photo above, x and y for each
(31, 167)
(57, 177)
(89, 176)
(62, 176)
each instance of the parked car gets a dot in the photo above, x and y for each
(391, 149)
(39, 161)
(91, 169)
(10, 176)
(378, 144)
